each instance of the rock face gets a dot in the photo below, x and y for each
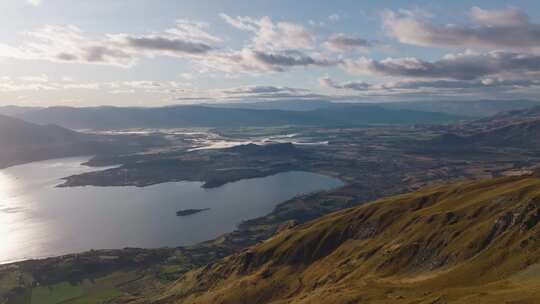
(473, 242)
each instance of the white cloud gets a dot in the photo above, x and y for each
(43, 83)
(249, 90)
(34, 2)
(508, 29)
(40, 78)
(67, 44)
(461, 66)
(252, 61)
(430, 89)
(352, 85)
(343, 43)
(274, 47)
(271, 35)
(70, 44)
(247, 93)
(334, 17)
(511, 61)
(499, 18)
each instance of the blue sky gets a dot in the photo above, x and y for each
(150, 53)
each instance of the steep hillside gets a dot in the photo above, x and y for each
(500, 120)
(511, 130)
(15, 132)
(510, 117)
(22, 142)
(524, 134)
(472, 242)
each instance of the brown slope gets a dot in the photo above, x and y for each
(518, 135)
(475, 242)
(500, 120)
(524, 134)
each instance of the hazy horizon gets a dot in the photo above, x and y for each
(141, 53)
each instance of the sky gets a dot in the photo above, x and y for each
(164, 52)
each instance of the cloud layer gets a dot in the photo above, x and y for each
(344, 43)
(499, 29)
(70, 44)
(273, 36)
(495, 52)
(462, 66)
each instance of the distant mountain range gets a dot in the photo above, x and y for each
(518, 135)
(473, 108)
(43, 133)
(22, 142)
(204, 116)
(525, 134)
(15, 110)
(518, 128)
(283, 105)
(268, 113)
(505, 119)
(16, 132)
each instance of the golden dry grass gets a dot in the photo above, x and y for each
(472, 242)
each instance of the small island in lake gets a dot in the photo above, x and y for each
(187, 212)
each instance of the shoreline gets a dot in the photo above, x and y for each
(201, 243)
(237, 231)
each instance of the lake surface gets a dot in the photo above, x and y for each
(38, 220)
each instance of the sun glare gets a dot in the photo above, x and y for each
(5, 186)
(8, 216)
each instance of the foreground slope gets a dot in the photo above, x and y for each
(472, 242)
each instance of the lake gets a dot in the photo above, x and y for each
(39, 220)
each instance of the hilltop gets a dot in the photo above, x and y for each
(470, 242)
(23, 142)
(517, 129)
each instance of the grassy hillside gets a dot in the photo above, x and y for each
(472, 242)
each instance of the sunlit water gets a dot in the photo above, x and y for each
(221, 143)
(38, 220)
